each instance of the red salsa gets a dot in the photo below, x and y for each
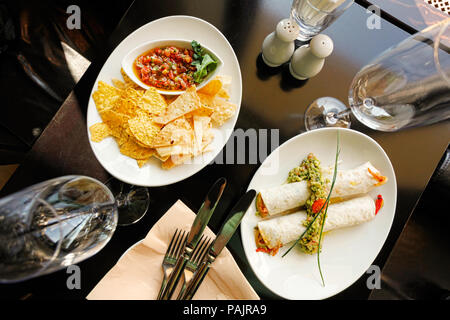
(168, 68)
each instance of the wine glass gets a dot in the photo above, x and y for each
(54, 224)
(408, 85)
(132, 201)
(314, 16)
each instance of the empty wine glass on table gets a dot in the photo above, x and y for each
(60, 222)
(408, 85)
(132, 201)
(54, 224)
(314, 16)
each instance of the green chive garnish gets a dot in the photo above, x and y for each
(325, 205)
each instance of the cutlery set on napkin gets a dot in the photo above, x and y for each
(192, 254)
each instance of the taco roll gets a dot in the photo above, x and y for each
(282, 230)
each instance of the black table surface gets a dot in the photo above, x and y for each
(271, 100)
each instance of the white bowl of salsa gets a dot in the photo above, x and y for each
(170, 66)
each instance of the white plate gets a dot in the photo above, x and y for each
(347, 253)
(175, 27)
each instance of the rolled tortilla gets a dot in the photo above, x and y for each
(349, 183)
(359, 180)
(285, 229)
(285, 197)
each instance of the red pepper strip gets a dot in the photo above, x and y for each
(317, 205)
(381, 179)
(378, 203)
(272, 252)
(265, 250)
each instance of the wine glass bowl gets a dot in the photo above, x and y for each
(406, 86)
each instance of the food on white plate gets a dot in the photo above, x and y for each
(294, 194)
(282, 198)
(277, 232)
(359, 180)
(309, 187)
(173, 68)
(172, 129)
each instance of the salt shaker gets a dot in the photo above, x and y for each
(279, 46)
(308, 60)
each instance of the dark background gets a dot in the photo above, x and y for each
(35, 78)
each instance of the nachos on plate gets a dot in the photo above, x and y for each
(146, 124)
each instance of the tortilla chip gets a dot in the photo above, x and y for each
(153, 102)
(170, 99)
(133, 150)
(130, 102)
(223, 94)
(174, 161)
(118, 84)
(187, 102)
(99, 132)
(201, 125)
(128, 82)
(211, 88)
(106, 97)
(202, 112)
(177, 132)
(226, 82)
(143, 162)
(223, 110)
(173, 129)
(208, 138)
(178, 149)
(168, 164)
(117, 122)
(144, 130)
(180, 159)
(163, 159)
(206, 100)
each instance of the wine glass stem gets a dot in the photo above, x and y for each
(332, 118)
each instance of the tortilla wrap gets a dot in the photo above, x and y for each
(285, 197)
(288, 228)
(349, 183)
(354, 181)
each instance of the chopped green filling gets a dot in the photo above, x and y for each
(310, 171)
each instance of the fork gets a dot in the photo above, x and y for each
(170, 259)
(192, 265)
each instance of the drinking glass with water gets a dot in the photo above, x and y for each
(314, 16)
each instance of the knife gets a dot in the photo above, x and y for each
(226, 232)
(199, 225)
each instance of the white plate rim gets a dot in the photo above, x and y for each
(394, 202)
(226, 133)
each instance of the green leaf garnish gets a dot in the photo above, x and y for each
(202, 61)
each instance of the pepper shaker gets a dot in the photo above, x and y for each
(308, 60)
(279, 46)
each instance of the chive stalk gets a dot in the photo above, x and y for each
(326, 210)
(325, 205)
